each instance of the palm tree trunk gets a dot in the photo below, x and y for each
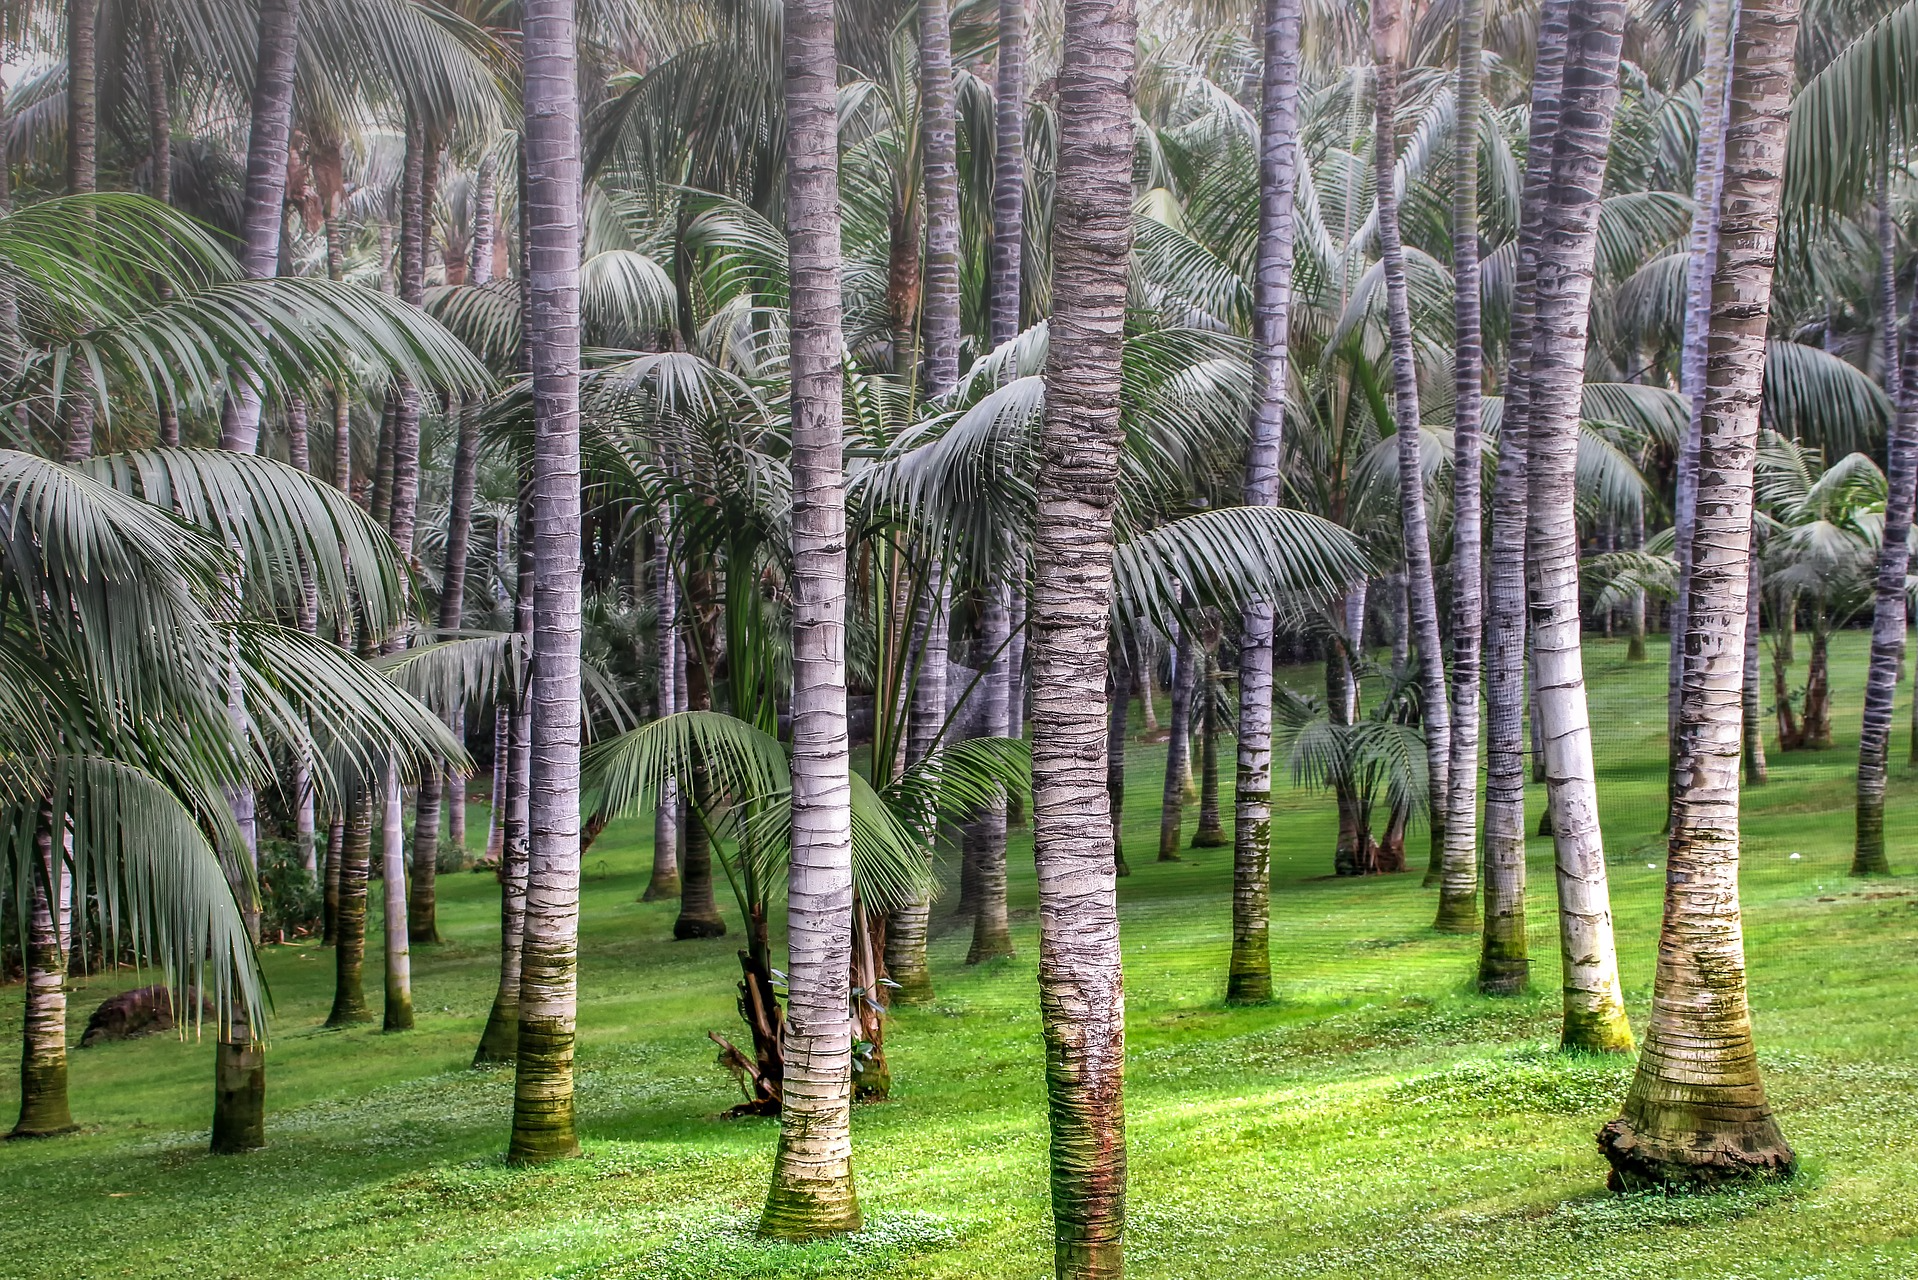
(1707, 177)
(264, 207)
(1178, 748)
(665, 878)
(1756, 772)
(1387, 37)
(1118, 702)
(991, 932)
(399, 963)
(159, 109)
(812, 1188)
(1594, 1008)
(500, 1041)
(941, 157)
(239, 1089)
(1697, 1114)
(1249, 971)
(83, 18)
(1503, 965)
(349, 939)
(1210, 833)
(1635, 647)
(1815, 726)
(1081, 981)
(1458, 887)
(1888, 619)
(543, 1082)
(698, 912)
(1008, 174)
(908, 928)
(43, 1060)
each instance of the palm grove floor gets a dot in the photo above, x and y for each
(1379, 1120)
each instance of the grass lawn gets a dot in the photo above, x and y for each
(1380, 1120)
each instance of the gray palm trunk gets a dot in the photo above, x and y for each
(1081, 981)
(1118, 703)
(991, 930)
(1697, 1113)
(664, 882)
(939, 316)
(398, 1007)
(1707, 176)
(909, 927)
(1249, 971)
(1888, 619)
(83, 19)
(1756, 773)
(812, 1185)
(1178, 747)
(549, 978)
(1458, 884)
(349, 941)
(1594, 1007)
(1008, 174)
(1387, 35)
(264, 206)
(1503, 965)
(500, 1040)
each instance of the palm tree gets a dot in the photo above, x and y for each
(1503, 967)
(812, 1188)
(1697, 1113)
(1888, 617)
(265, 198)
(1458, 886)
(1249, 975)
(1008, 179)
(1081, 984)
(1387, 42)
(549, 977)
(940, 314)
(1594, 1007)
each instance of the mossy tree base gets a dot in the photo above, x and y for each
(1697, 1159)
(990, 944)
(44, 1112)
(1209, 838)
(914, 987)
(1602, 1031)
(688, 927)
(1503, 976)
(239, 1098)
(811, 1210)
(1457, 914)
(661, 888)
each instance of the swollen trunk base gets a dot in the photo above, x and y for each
(239, 1098)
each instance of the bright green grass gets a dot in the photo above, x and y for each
(1380, 1121)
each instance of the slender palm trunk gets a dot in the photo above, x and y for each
(1888, 619)
(399, 962)
(264, 208)
(500, 1041)
(812, 1186)
(543, 1084)
(1081, 982)
(1635, 647)
(1594, 1008)
(1458, 886)
(1697, 1113)
(1387, 39)
(1008, 174)
(349, 941)
(1249, 970)
(43, 1059)
(330, 882)
(1118, 702)
(940, 148)
(1707, 177)
(83, 18)
(698, 911)
(1210, 832)
(1756, 771)
(908, 929)
(159, 111)
(991, 932)
(1503, 965)
(1178, 748)
(665, 878)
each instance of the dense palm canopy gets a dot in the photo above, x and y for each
(662, 439)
